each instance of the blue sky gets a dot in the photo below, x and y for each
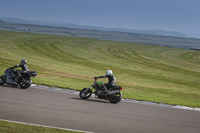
(171, 15)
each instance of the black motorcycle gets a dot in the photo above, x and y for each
(17, 78)
(112, 94)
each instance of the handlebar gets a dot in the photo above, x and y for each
(95, 78)
(10, 68)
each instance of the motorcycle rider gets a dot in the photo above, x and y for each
(111, 80)
(23, 65)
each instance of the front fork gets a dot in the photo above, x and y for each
(89, 88)
(3, 77)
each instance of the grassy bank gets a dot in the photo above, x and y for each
(10, 127)
(151, 73)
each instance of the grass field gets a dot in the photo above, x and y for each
(152, 73)
(10, 127)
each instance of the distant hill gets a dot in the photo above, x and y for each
(21, 25)
(61, 24)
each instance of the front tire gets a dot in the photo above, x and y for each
(115, 98)
(2, 79)
(25, 83)
(85, 94)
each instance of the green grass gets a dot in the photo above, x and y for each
(151, 73)
(11, 127)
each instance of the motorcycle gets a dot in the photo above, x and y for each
(17, 78)
(112, 94)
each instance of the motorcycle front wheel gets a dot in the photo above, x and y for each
(85, 94)
(115, 98)
(2, 79)
(25, 83)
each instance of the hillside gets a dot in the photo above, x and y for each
(168, 41)
(146, 72)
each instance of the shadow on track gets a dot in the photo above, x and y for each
(92, 100)
(11, 86)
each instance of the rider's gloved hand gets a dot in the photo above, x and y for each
(95, 78)
(11, 68)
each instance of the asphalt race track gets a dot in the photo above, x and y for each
(65, 110)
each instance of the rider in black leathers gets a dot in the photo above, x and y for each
(23, 65)
(111, 80)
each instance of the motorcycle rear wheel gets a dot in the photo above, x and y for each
(85, 94)
(115, 98)
(24, 84)
(2, 80)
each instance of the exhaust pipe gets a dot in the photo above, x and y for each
(113, 92)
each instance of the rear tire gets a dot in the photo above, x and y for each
(25, 83)
(85, 94)
(2, 79)
(115, 98)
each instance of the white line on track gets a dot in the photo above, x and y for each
(45, 126)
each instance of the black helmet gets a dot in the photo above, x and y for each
(23, 62)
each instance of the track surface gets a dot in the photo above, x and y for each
(65, 110)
